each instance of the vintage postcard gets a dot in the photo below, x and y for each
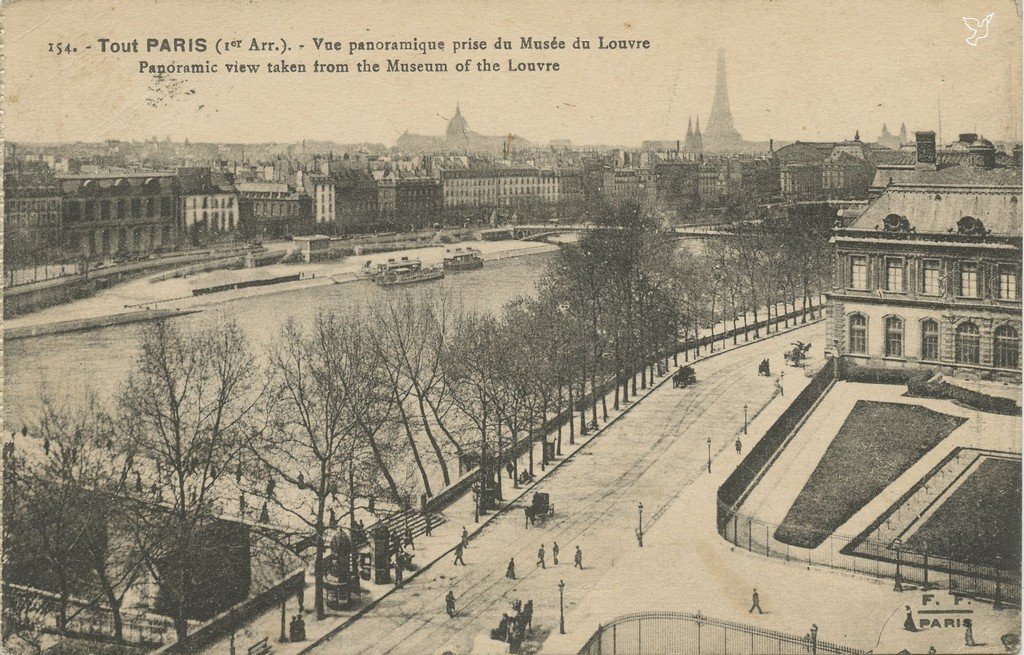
(439, 328)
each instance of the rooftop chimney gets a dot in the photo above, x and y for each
(927, 157)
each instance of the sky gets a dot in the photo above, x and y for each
(797, 69)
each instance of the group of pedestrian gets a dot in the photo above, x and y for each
(513, 627)
(510, 570)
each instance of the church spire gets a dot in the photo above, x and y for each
(719, 125)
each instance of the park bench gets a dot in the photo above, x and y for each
(261, 647)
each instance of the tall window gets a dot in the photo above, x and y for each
(894, 275)
(930, 341)
(968, 344)
(858, 334)
(894, 337)
(930, 279)
(1006, 351)
(858, 271)
(1007, 283)
(969, 280)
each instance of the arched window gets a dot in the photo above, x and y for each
(894, 336)
(930, 340)
(968, 344)
(858, 334)
(1006, 349)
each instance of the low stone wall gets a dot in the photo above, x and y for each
(92, 323)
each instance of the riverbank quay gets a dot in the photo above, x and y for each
(177, 293)
(638, 456)
(77, 325)
(438, 548)
(25, 300)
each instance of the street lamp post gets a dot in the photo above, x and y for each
(744, 418)
(561, 607)
(640, 527)
(814, 638)
(709, 454)
(897, 544)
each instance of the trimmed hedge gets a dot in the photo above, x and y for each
(920, 385)
(881, 375)
(969, 398)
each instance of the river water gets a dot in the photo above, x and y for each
(66, 366)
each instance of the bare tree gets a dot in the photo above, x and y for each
(188, 412)
(63, 492)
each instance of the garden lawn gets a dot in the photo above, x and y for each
(875, 445)
(980, 522)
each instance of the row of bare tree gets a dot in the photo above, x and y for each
(373, 403)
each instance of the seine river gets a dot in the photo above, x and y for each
(67, 365)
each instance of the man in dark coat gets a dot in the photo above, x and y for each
(449, 603)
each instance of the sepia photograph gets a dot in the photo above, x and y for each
(452, 328)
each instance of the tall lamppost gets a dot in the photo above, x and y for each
(561, 607)
(709, 454)
(640, 526)
(897, 544)
(744, 418)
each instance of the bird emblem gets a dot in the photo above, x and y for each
(978, 28)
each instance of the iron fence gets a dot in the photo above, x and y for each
(876, 558)
(679, 633)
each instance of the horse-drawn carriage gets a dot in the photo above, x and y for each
(797, 354)
(541, 508)
(684, 377)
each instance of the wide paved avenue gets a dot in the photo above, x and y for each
(649, 455)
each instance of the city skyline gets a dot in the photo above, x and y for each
(897, 73)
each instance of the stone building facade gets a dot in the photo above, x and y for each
(929, 275)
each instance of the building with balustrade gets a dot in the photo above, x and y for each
(118, 213)
(928, 276)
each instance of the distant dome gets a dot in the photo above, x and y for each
(982, 144)
(457, 126)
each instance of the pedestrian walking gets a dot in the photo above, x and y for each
(528, 615)
(578, 559)
(398, 569)
(526, 512)
(554, 553)
(540, 557)
(757, 604)
(510, 572)
(449, 603)
(511, 470)
(408, 538)
(908, 623)
(458, 555)
(969, 633)
(739, 446)
(465, 537)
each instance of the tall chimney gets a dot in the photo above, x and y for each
(927, 157)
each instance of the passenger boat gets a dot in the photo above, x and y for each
(462, 259)
(406, 271)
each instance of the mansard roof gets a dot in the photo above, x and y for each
(935, 201)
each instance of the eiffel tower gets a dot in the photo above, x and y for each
(720, 132)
